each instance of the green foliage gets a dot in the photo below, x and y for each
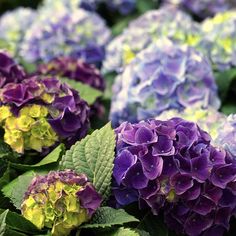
(13, 224)
(224, 80)
(123, 232)
(106, 217)
(16, 189)
(86, 92)
(51, 158)
(93, 156)
(153, 225)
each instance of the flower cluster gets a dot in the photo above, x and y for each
(227, 135)
(172, 166)
(13, 25)
(122, 6)
(204, 8)
(219, 35)
(74, 69)
(165, 22)
(38, 112)
(10, 71)
(61, 201)
(77, 33)
(162, 77)
(208, 119)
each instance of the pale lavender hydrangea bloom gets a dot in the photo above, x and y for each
(162, 77)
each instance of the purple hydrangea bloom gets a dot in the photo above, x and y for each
(204, 8)
(62, 201)
(10, 71)
(77, 33)
(146, 29)
(74, 69)
(13, 25)
(171, 166)
(162, 77)
(42, 111)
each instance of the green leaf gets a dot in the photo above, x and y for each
(229, 109)
(144, 5)
(16, 224)
(94, 156)
(51, 158)
(3, 224)
(122, 232)
(16, 189)
(5, 149)
(224, 80)
(153, 225)
(109, 217)
(86, 92)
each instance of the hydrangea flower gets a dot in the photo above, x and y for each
(74, 69)
(13, 25)
(209, 119)
(204, 8)
(123, 6)
(164, 22)
(78, 33)
(219, 35)
(61, 201)
(38, 112)
(162, 77)
(171, 166)
(227, 135)
(10, 71)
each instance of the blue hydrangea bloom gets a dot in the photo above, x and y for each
(227, 135)
(77, 33)
(218, 40)
(204, 8)
(122, 6)
(164, 22)
(171, 166)
(162, 77)
(13, 25)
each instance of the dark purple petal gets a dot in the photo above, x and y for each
(135, 177)
(125, 196)
(223, 174)
(122, 163)
(181, 183)
(89, 199)
(204, 206)
(164, 146)
(223, 217)
(152, 165)
(192, 193)
(196, 224)
(144, 135)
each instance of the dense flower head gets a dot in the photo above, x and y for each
(78, 33)
(122, 6)
(204, 8)
(10, 71)
(227, 135)
(39, 112)
(209, 119)
(164, 22)
(218, 42)
(74, 69)
(162, 77)
(13, 25)
(172, 166)
(61, 201)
